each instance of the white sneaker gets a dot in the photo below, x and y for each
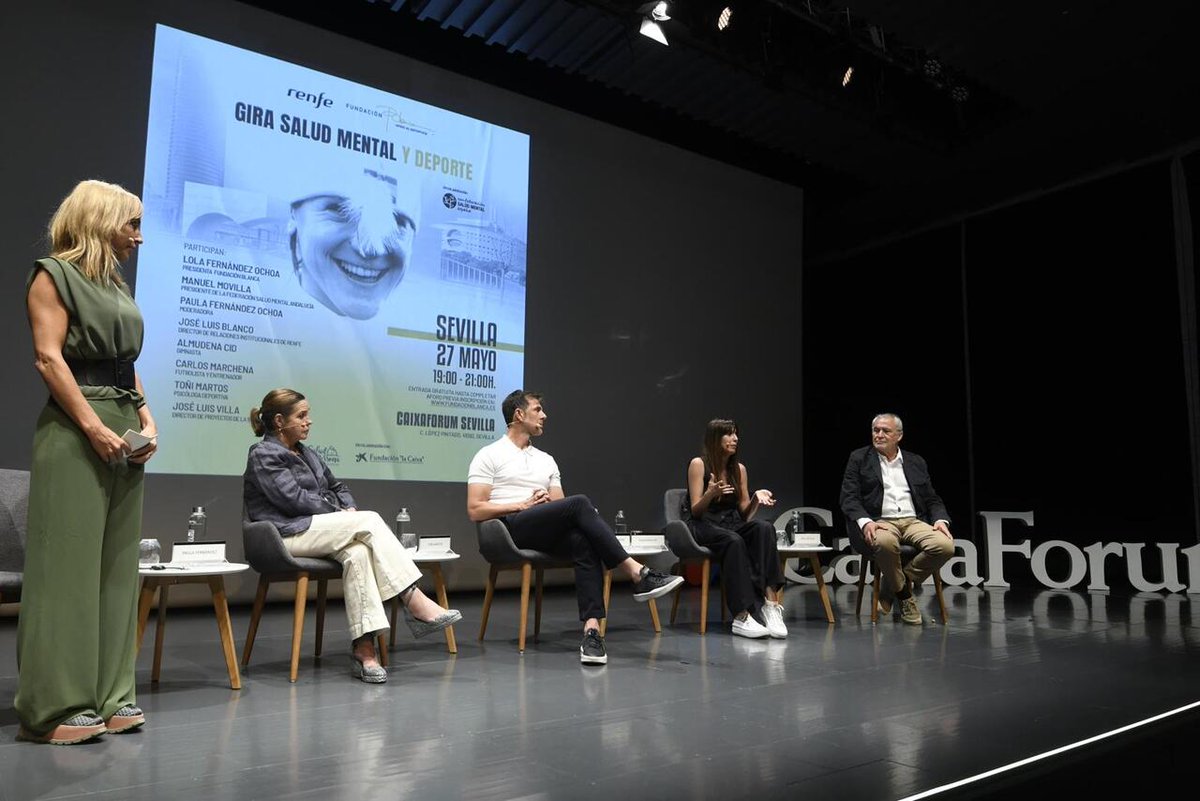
(773, 612)
(750, 628)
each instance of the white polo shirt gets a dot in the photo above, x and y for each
(513, 472)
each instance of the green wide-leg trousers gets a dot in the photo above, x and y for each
(76, 637)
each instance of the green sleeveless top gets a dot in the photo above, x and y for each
(103, 321)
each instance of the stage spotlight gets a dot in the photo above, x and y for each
(653, 30)
(848, 76)
(960, 94)
(933, 68)
(652, 15)
(724, 18)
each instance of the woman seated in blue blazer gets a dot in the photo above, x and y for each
(291, 486)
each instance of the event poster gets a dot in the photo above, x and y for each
(308, 232)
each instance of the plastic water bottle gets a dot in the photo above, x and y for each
(619, 523)
(794, 525)
(403, 529)
(197, 524)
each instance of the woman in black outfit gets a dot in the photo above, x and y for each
(720, 512)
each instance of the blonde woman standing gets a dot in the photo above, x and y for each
(76, 636)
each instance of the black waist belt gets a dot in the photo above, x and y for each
(103, 372)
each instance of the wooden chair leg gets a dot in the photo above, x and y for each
(875, 598)
(724, 597)
(439, 585)
(704, 572)
(395, 620)
(216, 585)
(654, 616)
(937, 585)
(822, 588)
(862, 583)
(537, 607)
(322, 594)
(678, 592)
(783, 560)
(381, 650)
(145, 601)
(526, 575)
(606, 595)
(488, 594)
(256, 612)
(160, 632)
(298, 624)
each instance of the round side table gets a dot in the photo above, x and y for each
(158, 578)
(434, 560)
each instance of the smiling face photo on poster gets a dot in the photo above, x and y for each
(351, 245)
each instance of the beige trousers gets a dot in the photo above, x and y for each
(935, 549)
(374, 566)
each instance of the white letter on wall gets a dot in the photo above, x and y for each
(1193, 561)
(1170, 567)
(1078, 564)
(1096, 552)
(992, 523)
(970, 565)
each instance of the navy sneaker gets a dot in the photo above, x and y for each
(591, 650)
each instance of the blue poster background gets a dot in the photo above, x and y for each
(305, 231)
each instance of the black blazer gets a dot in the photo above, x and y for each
(862, 488)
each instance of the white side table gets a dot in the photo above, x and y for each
(160, 578)
(812, 554)
(434, 560)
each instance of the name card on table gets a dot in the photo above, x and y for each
(428, 545)
(195, 553)
(648, 542)
(806, 539)
(626, 540)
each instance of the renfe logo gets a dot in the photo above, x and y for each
(318, 101)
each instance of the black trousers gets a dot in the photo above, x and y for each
(572, 529)
(749, 561)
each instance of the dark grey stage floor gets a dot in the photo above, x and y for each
(851, 711)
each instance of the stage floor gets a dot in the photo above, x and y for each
(851, 711)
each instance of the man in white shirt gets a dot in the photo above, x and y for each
(888, 497)
(512, 480)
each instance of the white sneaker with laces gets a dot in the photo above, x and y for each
(750, 628)
(773, 612)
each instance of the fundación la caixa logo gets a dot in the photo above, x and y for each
(1073, 564)
(367, 453)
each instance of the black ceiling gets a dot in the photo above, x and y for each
(1053, 90)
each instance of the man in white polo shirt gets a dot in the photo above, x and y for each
(521, 485)
(890, 498)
